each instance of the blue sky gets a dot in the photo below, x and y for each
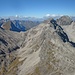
(36, 8)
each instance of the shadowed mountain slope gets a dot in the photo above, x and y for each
(13, 27)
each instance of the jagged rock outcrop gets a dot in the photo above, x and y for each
(64, 20)
(47, 50)
(70, 30)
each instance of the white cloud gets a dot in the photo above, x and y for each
(47, 15)
(16, 15)
(52, 15)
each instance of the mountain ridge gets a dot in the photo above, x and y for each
(50, 54)
(46, 49)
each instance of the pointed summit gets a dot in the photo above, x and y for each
(64, 20)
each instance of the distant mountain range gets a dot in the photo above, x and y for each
(17, 25)
(9, 25)
(34, 18)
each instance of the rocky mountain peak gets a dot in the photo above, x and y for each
(64, 20)
(7, 25)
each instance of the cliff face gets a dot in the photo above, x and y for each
(70, 30)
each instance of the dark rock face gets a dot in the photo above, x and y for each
(60, 32)
(18, 25)
(64, 20)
